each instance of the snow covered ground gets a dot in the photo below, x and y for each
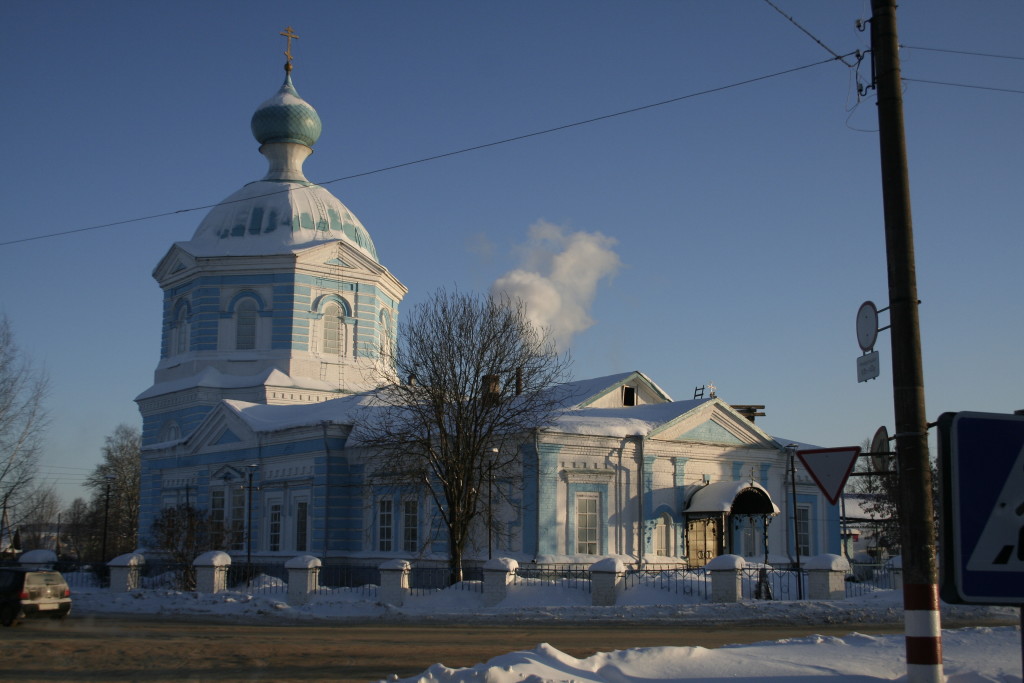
(991, 653)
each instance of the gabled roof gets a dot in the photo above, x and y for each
(584, 392)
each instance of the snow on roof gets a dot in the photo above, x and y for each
(718, 497)
(620, 422)
(213, 378)
(583, 390)
(268, 418)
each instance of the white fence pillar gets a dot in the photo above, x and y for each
(394, 582)
(498, 573)
(607, 581)
(726, 578)
(826, 577)
(124, 572)
(212, 571)
(303, 578)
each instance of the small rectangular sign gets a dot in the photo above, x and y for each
(867, 366)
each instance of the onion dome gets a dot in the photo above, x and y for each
(283, 211)
(286, 117)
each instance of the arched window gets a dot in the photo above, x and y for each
(333, 329)
(181, 331)
(664, 533)
(245, 325)
(386, 334)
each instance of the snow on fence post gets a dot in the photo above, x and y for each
(394, 582)
(826, 577)
(212, 571)
(726, 578)
(124, 572)
(607, 581)
(498, 574)
(303, 578)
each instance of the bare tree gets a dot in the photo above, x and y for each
(479, 377)
(115, 488)
(78, 534)
(23, 421)
(183, 532)
(39, 522)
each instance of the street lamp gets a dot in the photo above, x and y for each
(490, 493)
(791, 449)
(106, 515)
(248, 523)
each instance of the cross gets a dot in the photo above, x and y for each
(289, 34)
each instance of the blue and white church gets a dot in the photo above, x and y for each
(275, 314)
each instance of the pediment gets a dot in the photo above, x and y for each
(221, 429)
(628, 389)
(714, 422)
(174, 262)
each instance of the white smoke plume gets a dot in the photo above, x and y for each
(558, 278)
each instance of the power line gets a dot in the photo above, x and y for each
(809, 34)
(436, 157)
(960, 52)
(962, 85)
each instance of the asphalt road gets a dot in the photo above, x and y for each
(180, 649)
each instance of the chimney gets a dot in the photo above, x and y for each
(519, 381)
(489, 387)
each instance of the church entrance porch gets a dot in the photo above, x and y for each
(728, 517)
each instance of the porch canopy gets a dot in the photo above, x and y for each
(733, 497)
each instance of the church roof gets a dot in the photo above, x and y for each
(283, 211)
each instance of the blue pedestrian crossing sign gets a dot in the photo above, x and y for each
(981, 459)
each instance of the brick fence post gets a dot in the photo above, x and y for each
(726, 578)
(212, 571)
(607, 581)
(124, 572)
(303, 578)
(394, 582)
(826, 577)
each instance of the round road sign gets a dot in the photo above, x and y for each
(867, 326)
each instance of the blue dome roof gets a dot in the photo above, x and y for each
(286, 117)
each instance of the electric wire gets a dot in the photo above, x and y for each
(961, 52)
(810, 35)
(436, 157)
(962, 85)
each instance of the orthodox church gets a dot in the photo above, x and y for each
(274, 315)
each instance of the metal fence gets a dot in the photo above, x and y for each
(769, 583)
(691, 582)
(572, 576)
(267, 579)
(426, 580)
(869, 578)
(360, 579)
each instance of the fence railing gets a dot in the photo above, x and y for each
(258, 578)
(869, 578)
(770, 583)
(691, 582)
(568, 575)
(360, 579)
(426, 580)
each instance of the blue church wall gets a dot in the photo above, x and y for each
(337, 504)
(648, 485)
(546, 503)
(188, 419)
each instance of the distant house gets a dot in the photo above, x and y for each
(274, 314)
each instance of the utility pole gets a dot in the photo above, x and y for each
(917, 524)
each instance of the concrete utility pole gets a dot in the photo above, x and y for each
(920, 587)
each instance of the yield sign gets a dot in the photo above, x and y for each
(830, 468)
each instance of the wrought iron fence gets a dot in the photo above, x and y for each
(692, 582)
(258, 578)
(567, 575)
(360, 579)
(426, 580)
(869, 578)
(770, 583)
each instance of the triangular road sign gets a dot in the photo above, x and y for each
(830, 468)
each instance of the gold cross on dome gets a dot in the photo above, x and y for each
(289, 34)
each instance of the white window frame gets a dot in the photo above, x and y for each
(803, 529)
(385, 525)
(588, 523)
(410, 525)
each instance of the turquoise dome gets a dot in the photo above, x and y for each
(286, 117)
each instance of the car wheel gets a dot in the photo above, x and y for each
(9, 616)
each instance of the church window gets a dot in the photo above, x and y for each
(274, 530)
(237, 523)
(181, 330)
(663, 537)
(333, 329)
(302, 525)
(586, 523)
(410, 526)
(385, 525)
(245, 325)
(386, 334)
(803, 529)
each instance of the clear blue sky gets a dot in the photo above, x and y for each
(748, 221)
